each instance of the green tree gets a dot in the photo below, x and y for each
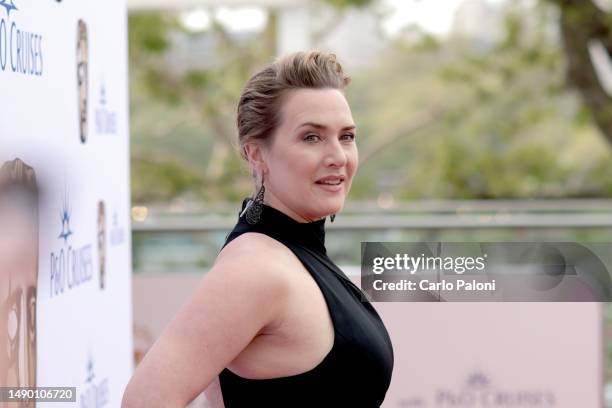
(437, 118)
(188, 102)
(444, 119)
(582, 22)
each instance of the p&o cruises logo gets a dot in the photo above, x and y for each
(20, 49)
(70, 267)
(106, 118)
(478, 391)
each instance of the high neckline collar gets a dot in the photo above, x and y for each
(278, 224)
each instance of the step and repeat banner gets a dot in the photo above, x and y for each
(65, 261)
(495, 355)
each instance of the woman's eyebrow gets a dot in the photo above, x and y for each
(323, 127)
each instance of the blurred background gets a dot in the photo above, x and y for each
(478, 120)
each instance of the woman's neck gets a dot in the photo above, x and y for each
(272, 201)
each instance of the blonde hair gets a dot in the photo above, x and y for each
(260, 102)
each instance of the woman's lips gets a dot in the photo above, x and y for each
(332, 184)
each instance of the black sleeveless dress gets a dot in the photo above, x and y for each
(357, 371)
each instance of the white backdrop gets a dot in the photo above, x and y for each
(84, 323)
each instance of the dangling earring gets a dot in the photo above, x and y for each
(253, 212)
(332, 217)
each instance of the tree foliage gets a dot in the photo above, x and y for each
(184, 115)
(436, 118)
(502, 122)
(582, 23)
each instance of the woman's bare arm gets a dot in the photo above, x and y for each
(243, 293)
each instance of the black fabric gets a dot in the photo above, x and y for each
(357, 370)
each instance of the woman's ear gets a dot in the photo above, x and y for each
(255, 156)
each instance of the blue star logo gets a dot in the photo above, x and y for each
(8, 5)
(65, 217)
(478, 379)
(90, 369)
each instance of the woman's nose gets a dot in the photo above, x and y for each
(336, 156)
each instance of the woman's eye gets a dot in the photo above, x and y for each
(311, 137)
(348, 136)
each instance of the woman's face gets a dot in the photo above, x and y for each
(311, 160)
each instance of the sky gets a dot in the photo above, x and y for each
(433, 16)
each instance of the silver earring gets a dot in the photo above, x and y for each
(332, 217)
(253, 213)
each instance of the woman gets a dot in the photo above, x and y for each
(275, 319)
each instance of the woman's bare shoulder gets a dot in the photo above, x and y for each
(254, 262)
(259, 248)
(243, 294)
